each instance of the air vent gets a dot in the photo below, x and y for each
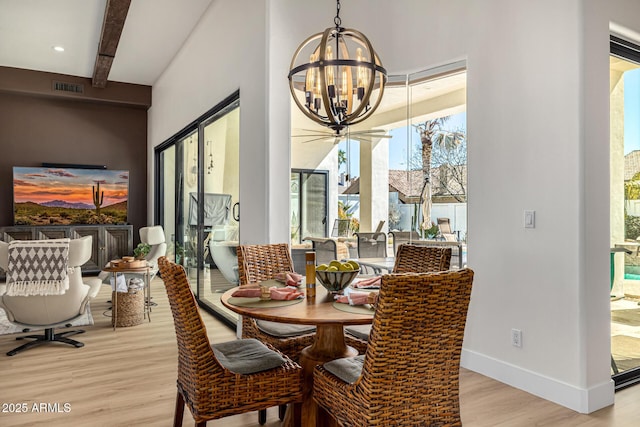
(68, 87)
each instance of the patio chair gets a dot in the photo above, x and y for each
(257, 263)
(341, 228)
(327, 249)
(372, 245)
(409, 259)
(445, 230)
(402, 237)
(409, 375)
(223, 379)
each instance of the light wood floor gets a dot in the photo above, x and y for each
(127, 378)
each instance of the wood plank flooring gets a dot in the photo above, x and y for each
(127, 378)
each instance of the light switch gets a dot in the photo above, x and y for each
(529, 219)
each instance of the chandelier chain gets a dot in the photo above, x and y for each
(337, 19)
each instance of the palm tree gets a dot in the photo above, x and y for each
(342, 157)
(431, 132)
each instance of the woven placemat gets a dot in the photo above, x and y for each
(258, 303)
(355, 309)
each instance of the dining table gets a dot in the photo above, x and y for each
(329, 317)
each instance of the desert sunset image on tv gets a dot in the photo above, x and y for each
(62, 196)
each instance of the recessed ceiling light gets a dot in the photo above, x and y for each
(58, 48)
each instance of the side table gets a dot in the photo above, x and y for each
(146, 273)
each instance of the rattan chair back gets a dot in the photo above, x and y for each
(209, 390)
(194, 350)
(422, 259)
(262, 262)
(411, 367)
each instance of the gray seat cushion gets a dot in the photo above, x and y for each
(359, 331)
(284, 330)
(246, 356)
(347, 369)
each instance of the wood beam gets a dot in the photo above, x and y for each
(115, 15)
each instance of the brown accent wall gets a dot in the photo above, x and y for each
(36, 129)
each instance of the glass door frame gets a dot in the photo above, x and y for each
(232, 101)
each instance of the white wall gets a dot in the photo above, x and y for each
(225, 52)
(538, 130)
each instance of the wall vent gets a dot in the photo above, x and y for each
(68, 87)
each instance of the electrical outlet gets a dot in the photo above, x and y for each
(516, 338)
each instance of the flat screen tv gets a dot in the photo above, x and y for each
(63, 196)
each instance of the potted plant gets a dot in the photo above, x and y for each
(179, 253)
(142, 250)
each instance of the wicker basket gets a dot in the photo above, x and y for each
(128, 309)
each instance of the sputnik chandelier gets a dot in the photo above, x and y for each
(343, 81)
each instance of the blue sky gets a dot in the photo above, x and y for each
(399, 150)
(631, 111)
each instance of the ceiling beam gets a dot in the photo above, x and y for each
(114, 16)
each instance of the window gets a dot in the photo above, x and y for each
(376, 169)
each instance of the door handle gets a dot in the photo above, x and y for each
(236, 211)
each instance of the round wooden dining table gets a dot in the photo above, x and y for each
(329, 343)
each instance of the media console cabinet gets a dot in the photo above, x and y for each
(109, 241)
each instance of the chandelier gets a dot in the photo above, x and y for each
(343, 81)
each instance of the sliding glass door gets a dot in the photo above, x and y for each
(219, 222)
(624, 157)
(198, 202)
(309, 200)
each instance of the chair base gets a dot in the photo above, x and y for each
(49, 336)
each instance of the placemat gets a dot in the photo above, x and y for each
(355, 309)
(258, 303)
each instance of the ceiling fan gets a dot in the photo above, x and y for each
(323, 135)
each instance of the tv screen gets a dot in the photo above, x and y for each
(63, 196)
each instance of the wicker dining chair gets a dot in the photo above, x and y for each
(422, 259)
(224, 379)
(257, 263)
(409, 259)
(409, 375)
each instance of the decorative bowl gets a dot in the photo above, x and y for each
(335, 281)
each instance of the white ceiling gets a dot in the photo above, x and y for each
(153, 32)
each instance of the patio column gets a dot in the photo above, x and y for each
(374, 183)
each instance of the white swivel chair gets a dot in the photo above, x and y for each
(154, 236)
(52, 311)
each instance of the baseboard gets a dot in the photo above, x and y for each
(580, 400)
